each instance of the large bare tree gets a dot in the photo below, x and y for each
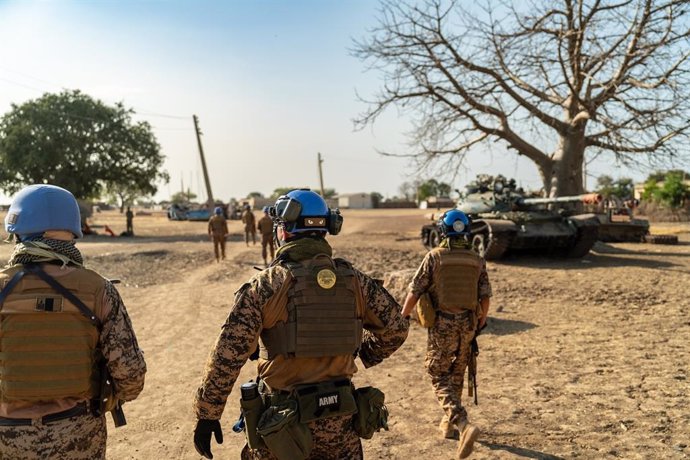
(549, 79)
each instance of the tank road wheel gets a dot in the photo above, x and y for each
(434, 238)
(661, 239)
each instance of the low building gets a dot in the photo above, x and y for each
(355, 201)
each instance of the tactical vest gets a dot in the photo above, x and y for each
(324, 315)
(456, 280)
(48, 348)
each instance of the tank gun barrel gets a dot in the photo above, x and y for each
(587, 198)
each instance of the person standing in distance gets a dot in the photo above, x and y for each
(265, 227)
(129, 215)
(62, 329)
(311, 315)
(249, 222)
(456, 280)
(218, 231)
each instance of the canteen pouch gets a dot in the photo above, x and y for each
(252, 410)
(283, 434)
(372, 414)
(326, 399)
(425, 311)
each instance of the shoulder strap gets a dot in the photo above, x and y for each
(10, 285)
(52, 282)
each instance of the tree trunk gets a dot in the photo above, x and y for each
(562, 176)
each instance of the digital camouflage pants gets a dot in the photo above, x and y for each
(334, 439)
(76, 438)
(447, 355)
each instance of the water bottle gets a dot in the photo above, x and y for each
(252, 408)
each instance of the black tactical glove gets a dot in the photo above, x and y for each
(202, 436)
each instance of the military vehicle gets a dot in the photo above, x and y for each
(504, 219)
(618, 224)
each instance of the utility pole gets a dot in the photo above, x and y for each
(203, 161)
(321, 175)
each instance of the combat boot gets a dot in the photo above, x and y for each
(448, 430)
(468, 435)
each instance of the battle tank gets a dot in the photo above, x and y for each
(504, 219)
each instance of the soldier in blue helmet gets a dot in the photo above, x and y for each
(311, 315)
(265, 228)
(218, 232)
(454, 280)
(61, 325)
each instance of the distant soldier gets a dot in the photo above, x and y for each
(218, 231)
(249, 222)
(457, 283)
(265, 227)
(63, 329)
(311, 315)
(130, 217)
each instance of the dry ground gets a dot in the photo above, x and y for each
(582, 358)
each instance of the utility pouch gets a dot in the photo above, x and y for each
(372, 414)
(425, 311)
(283, 434)
(326, 399)
(252, 410)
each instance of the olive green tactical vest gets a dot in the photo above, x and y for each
(323, 318)
(47, 346)
(456, 280)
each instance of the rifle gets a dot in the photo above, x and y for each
(472, 367)
(107, 401)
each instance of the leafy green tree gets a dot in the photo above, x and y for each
(432, 187)
(79, 143)
(622, 188)
(182, 197)
(255, 195)
(673, 192)
(667, 188)
(376, 199)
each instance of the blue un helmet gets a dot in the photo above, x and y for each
(41, 207)
(454, 223)
(265, 209)
(305, 211)
(218, 211)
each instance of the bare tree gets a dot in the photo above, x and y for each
(549, 79)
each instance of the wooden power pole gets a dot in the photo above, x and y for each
(323, 194)
(203, 162)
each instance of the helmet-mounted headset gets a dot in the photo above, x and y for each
(303, 210)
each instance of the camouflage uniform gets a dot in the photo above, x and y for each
(448, 345)
(265, 227)
(334, 438)
(249, 222)
(218, 229)
(82, 436)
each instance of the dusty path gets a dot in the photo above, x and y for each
(582, 358)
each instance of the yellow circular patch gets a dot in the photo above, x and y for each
(326, 278)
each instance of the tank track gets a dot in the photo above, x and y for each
(661, 239)
(498, 245)
(587, 236)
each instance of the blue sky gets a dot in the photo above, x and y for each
(272, 83)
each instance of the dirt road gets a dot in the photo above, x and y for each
(581, 358)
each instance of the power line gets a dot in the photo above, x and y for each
(43, 90)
